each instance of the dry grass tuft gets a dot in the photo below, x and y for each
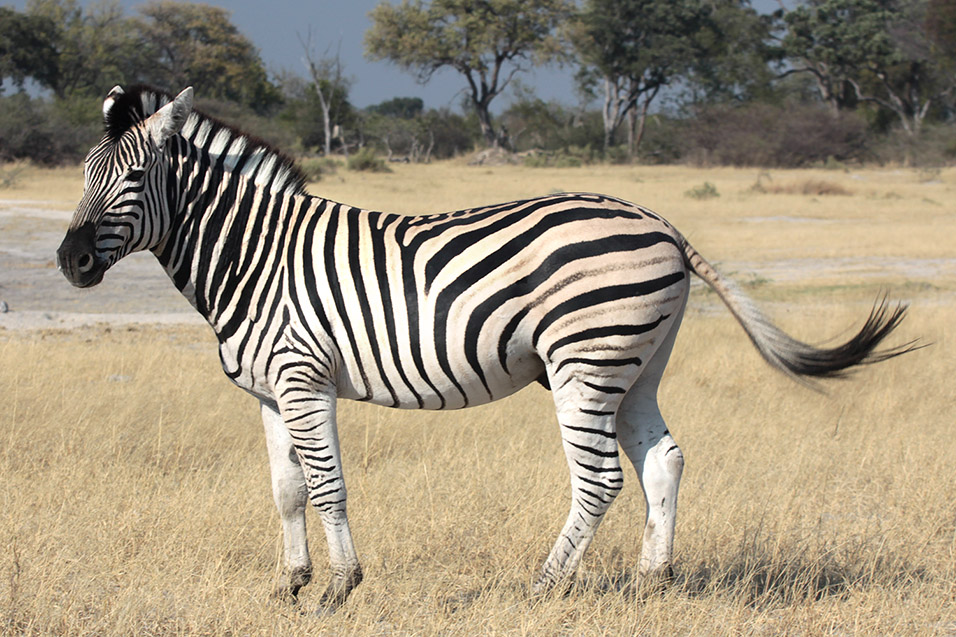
(809, 187)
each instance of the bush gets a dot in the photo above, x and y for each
(366, 160)
(787, 136)
(706, 190)
(935, 146)
(534, 124)
(314, 168)
(571, 157)
(47, 133)
(811, 187)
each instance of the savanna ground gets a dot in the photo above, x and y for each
(135, 495)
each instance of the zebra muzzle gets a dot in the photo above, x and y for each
(76, 257)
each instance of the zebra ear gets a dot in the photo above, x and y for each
(169, 120)
(110, 100)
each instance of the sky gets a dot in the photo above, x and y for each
(340, 25)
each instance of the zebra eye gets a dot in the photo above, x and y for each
(135, 175)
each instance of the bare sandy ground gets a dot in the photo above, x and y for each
(137, 290)
(37, 296)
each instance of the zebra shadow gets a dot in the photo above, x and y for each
(761, 581)
(757, 579)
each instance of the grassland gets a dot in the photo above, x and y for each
(135, 495)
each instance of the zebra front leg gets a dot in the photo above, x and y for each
(310, 419)
(291, 497)
(587, 419)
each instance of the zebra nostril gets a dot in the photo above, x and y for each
(85, 263)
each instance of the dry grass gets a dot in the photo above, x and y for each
(136, 497)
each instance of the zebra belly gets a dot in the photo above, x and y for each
(437, 391)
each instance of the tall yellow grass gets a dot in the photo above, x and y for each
(135, 495)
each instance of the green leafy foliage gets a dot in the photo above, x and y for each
(197, 45)
(486, 41)
(876, 52)
(27, 47)
(93, 49)
(634, 48)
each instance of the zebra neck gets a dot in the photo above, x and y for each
(223, 220)
(234, 152)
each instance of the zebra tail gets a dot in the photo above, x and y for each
(795, 358)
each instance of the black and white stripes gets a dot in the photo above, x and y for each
(313, 300)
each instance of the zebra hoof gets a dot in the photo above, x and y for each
(545, 586)
(288, 590)
(656, 582)
(338, 591)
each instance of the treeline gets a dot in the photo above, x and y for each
(704, 81)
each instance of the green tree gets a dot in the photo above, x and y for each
(873, 51)
(93, 50)
(941, 29)
(27, 48)
(486, 41)
(735, 49)
(197, 45)
(634, 48)
(401, 107)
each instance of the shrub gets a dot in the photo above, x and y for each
(934, 146)
(314, 168)
(570, 157)
(786, 136)
(366, 160)
(706, 190)
(44, 132)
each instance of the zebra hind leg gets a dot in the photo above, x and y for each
(658, 461)
(291, 497)
(586, 415)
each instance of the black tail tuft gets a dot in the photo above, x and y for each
(861, 349)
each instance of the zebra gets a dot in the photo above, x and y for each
(312, 300)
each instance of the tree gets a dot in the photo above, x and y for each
(735, 49)
(941, 29)
(635, 47)
(486, 41)
(27, 48)
(400, 107)
(874, 51)
(330, 86)
(197, 45)
(93, 50)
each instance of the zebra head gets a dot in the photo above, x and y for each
(123, 208)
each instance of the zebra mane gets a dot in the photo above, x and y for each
(237, 150)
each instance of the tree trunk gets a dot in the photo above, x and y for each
(326, 122)
(611, 112)
(642, 122)
(484, 120)
(631, 130)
